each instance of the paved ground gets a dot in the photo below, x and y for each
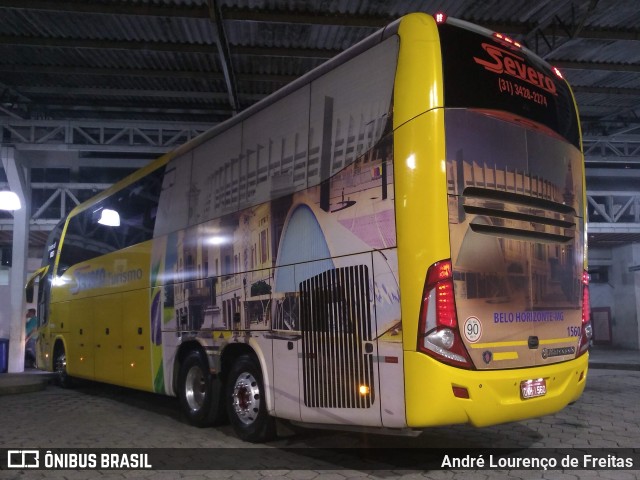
(99, 416)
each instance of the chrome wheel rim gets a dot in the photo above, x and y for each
(195, 388)
(246, 398)
(61, 365)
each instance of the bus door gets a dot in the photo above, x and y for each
(339, 376)
(43, 277)
(286, 339)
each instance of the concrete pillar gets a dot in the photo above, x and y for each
(626, 296)
(18, 178)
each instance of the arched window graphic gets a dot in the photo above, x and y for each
(303, 241)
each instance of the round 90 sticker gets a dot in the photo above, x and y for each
(472, 329)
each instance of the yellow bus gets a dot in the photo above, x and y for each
(394, 241)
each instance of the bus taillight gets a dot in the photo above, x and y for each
(440, 17)
(586, 314)
(587, 331)
(438, 334)
(508, 41)
(557, 72)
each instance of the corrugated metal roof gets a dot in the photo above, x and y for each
(141, 44)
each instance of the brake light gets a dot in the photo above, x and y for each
(557, 72)
(440, 17)
(438, 334)
(440, 279)
(507, 40)
(586, 331)
(586, 313)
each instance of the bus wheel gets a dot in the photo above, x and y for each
(200, 393)
(246, 402)
(63, 379)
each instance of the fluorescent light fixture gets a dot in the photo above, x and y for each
(9, 200)
(110, 218)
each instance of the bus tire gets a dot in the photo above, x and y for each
(63, 379)
(246, 402)
(199, 392)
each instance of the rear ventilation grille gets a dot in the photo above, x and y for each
(506, 214)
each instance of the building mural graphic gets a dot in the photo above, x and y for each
(240, 275)
(297, 200)
(514, 218)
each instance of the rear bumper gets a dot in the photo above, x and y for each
(494, 395)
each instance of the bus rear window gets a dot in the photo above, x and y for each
(490, 73)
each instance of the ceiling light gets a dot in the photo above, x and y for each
(9, 200)
(110, 218)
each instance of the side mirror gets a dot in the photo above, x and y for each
(29, 293)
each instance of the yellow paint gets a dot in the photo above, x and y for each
(137, 339)
(418, 86)
(99, 326)
(520, 343)
(497, 356)
(495, 395)
(420, 183)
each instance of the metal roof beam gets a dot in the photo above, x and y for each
(224, 54)
(105, 72)
(632, 34)
(112, 8)
(606, 90)
(610, 150)
(596, 173)
(323, 53)
(307, 17)
(11, 113)
(107, 44)
(138, 72)
(129, 108)
(617, 210)
(208, 49)
(612, 159)
(607, 66)
(119, 92)
(97, 136)
(604, 227)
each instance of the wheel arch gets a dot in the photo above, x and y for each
(183, 351)
(64, 378)
(58, 344)
(231, 353)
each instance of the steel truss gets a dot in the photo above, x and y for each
(99, 136)
(613, 212)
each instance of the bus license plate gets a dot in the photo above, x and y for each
(533, 388)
